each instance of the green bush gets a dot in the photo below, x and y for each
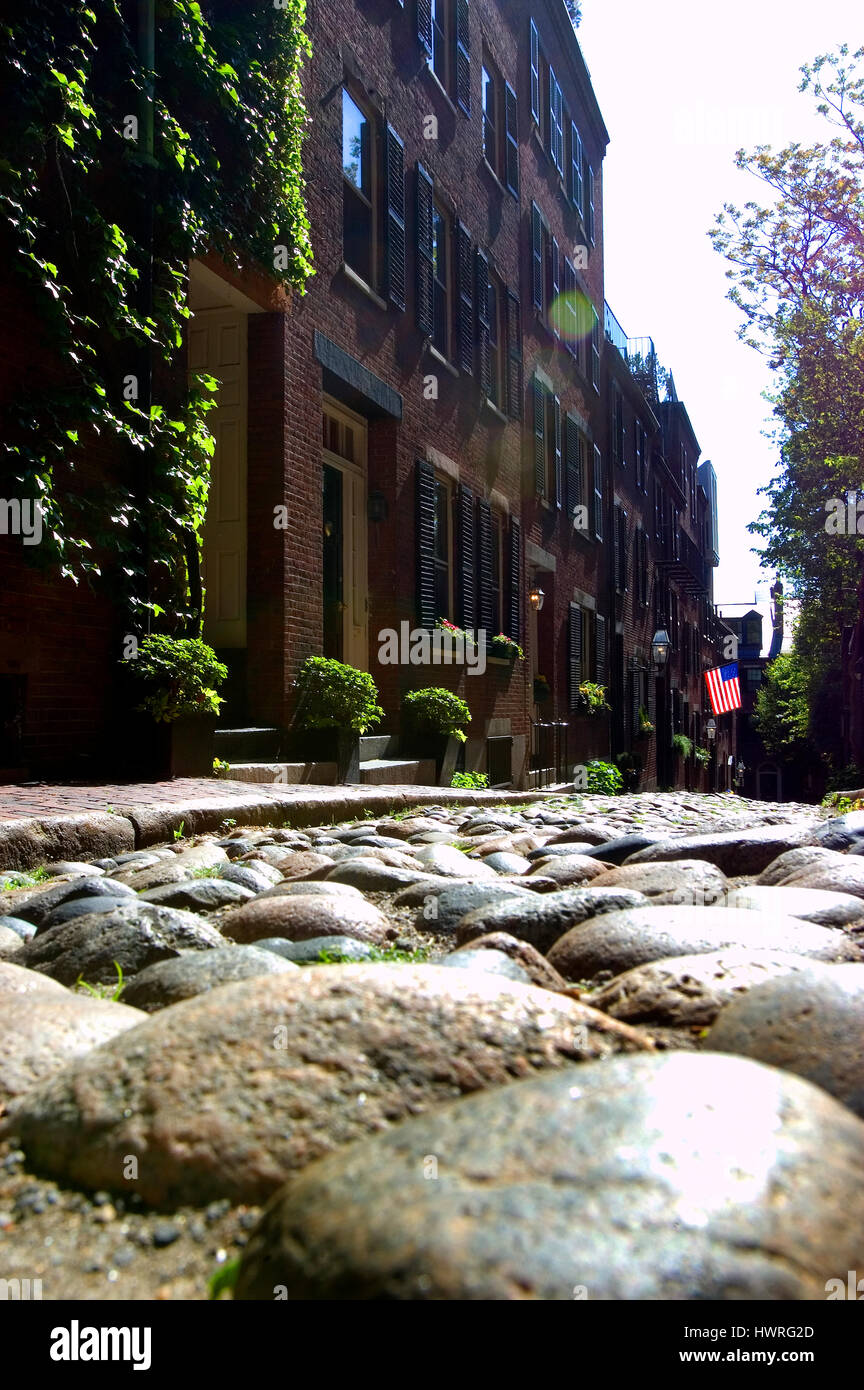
(436, 711)
(682, 745)
(702, 756)
(602, 778)
(593, 697)
(471, 780)
(334, 696)
(180, 676)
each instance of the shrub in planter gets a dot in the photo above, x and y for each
(335, 696)
(178, 678)
(505, 648)
(644, 727)
(541, 690)
(602, 778)
(702, 756)
(436, 711)
(179, 675)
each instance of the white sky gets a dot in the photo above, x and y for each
(682, 84)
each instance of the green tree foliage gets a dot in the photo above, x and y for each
(781, 714)
(797, 264)
(97, 230)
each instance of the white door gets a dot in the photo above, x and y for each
(217, 344)
(346, 605)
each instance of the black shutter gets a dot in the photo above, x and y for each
(577, 184)
(535, 73)
(514, 582)
(616, 548)
(463, 55)
(425, 542)
(465, 278)
(574, 653)
(554, 303)
(511, 114)
(425, 266)
(424, 24)
(395, 219)
(589, 203)
(484, 360)
(559, 470)
(467, 551)
(484, 545)
(621, 548)
(567, 316)
(600, 648)
(539, 397)
(537, 255)
(514, 357)
(574, 448)
(598, 494)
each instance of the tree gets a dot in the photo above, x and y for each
(782, 711)
(798, 269)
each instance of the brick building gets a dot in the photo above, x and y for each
(450, 424)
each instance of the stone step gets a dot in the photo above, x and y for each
(376, 746)
(287, 774)
(247, 745)
(418, 772)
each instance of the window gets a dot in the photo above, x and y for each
(441, 281)
(497, 341)
(441, 41)
(595, 350)
(640, 448)
(490, 118)
(442, 549)
(496, 586)
(552, 490)
(752, 677)
(577, 181)
(618, 430)
(598, 494)
(359, 222)
(620, 543)
(588, 176)
(556, 123)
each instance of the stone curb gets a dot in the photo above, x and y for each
(30, 841)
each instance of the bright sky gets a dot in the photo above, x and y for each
(682, 84)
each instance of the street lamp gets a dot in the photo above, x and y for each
(711, 730)
(536, 597)
(660, 647)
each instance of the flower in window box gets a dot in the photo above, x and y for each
(541, 690)
(506, 647)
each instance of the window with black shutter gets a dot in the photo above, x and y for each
(395, 219)
(600, 648)
(574, 654)
(514, 581)
(511, 112)
(555, 454)
(574, 448)
(620, 543)
(556, 123)
(425, 543)
(465, 273)
(360, 189)
(424, 25)
(486, 302)
(589, 202)
(538, 393)
(463, 55)
(537, 268)
(595, 349)
(567, 316)
(442, 279)
(425, 253)
(488, 607)
(577, 181)
(535, 73)
(514, 357)
(554, 286)
(467, 552)
(598, 494)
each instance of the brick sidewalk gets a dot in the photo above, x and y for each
(40, 824)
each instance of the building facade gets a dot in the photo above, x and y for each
(449, 424)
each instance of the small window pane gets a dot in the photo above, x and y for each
(355, 144)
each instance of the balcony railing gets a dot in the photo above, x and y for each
(683, 561)
(640, 356)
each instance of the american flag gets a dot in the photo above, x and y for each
(724, 691)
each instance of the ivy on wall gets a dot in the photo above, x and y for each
(98, 224)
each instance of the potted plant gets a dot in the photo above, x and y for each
(702, 756)
(336, 704)
(593, 697)
(541, 690)
(644, 727)
(433, 720)
(503, 648)
(682, 745)
(179, 677)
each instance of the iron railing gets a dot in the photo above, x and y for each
(551, 760)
